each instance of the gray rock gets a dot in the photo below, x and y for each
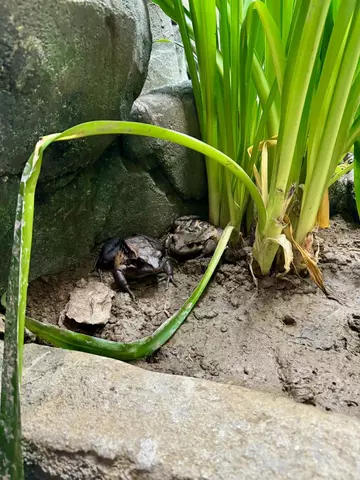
(89, 417)
(342, 197)
(112, 197)
(338, 195)
(164, 67)
(170, 107)
(8, 195)
(180, 52)
(64, 62)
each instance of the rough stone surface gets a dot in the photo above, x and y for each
(63, 62)
(342, 197)
(170, 107)
(90, 417)
(166, 64)
(8, 194)
(67, 62)
(180, 52)
(111, 197)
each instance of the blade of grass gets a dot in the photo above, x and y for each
(274, 42)
(331, 146)
(323, 98)
(354, 134)
(302, 53)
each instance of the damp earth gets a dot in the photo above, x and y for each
(283, 336)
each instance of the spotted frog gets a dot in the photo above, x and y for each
(190, 237)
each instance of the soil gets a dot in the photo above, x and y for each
(284, 336)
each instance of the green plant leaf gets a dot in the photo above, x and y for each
(277, 53)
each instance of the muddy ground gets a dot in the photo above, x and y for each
(284, 337)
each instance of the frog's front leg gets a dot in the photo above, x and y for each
(167, 244)
(209, 247)
(121, 281)
(168, 269)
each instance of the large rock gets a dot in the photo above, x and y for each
(342, 197)
(169, 107)
(167, 61)
(63, 62)
(89, 417)
(112, 197)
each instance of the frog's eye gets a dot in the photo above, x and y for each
(191, 244)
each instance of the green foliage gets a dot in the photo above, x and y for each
(286, 70)
(219, 58)
(277, 90)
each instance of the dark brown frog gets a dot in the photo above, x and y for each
(190, 237)
(134, 257)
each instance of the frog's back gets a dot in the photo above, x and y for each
(145, 249)
(198, 228)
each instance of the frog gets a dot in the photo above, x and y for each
(190, 236)
(134, 257)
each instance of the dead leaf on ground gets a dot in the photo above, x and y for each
(90, 303)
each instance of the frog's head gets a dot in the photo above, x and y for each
(186, 244)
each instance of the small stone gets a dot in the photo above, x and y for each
(235, 302)
(224, 329)
(199, 315)
(267, 282)
(246, 371)
(81, 283)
